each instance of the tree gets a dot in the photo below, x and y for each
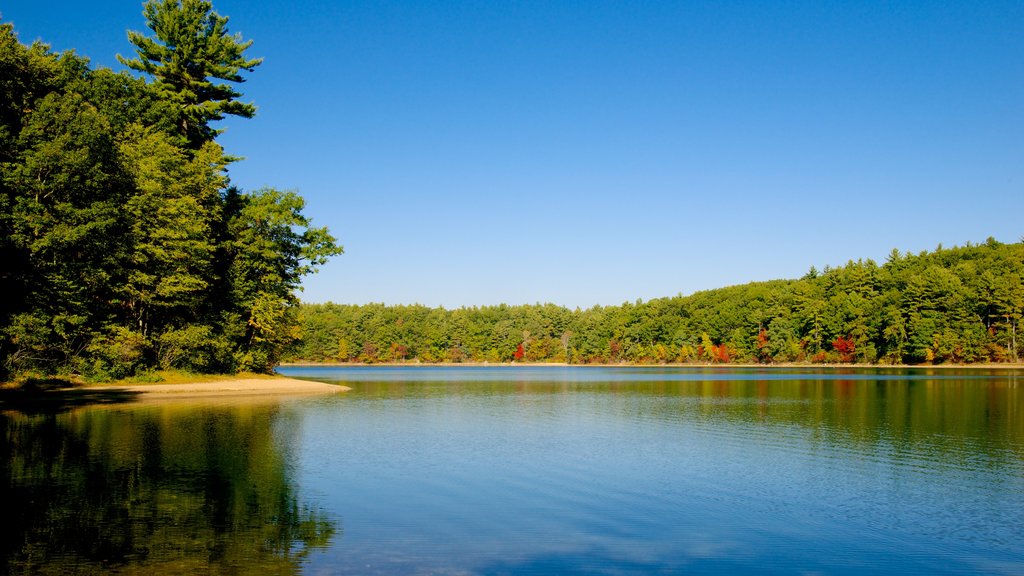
(172, 219)
(61, 184)
(763, 352)
(895, 335)
(1011, 308)
(271, 247)
(190, 50)
(845, 348)
(121, 247)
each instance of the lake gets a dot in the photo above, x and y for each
(531, 470)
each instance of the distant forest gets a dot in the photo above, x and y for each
(123, 245)
(953, 305)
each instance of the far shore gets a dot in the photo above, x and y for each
(780, 365)
(184, 386)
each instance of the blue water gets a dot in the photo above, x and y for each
(527, 470)
(498, 470)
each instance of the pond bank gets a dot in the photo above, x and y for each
(228, 387)
(724, 366)
(67, 394)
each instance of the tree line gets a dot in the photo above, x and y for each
(950, 305)
(124, 246)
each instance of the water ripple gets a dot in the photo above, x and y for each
(776, 473)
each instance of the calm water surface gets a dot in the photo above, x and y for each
(531, 470)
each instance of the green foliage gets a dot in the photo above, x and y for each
(272, 246)
(957, 305)
(190, 49)
(172, 217)
(195, 348)
(123, 247)
(116, 353)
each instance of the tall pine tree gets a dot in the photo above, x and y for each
(191, 50)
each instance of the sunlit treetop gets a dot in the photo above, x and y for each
(189, 51)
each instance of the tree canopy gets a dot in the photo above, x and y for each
(953, 305)
(123, 245)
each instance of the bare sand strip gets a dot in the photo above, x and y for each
(242, 386)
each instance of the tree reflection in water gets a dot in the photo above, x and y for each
(165, 488)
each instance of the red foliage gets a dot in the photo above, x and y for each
(762, 339)
(763, 354)
(845, 347)
(720, 352)
(519, 353)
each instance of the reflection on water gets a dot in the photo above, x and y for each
(180, 489)
(532, 471)
(624, 471)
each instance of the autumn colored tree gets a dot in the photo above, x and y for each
(763, 351)
(720, 353)
(845, 348)
(398, 352)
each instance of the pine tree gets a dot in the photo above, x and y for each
(190, 50)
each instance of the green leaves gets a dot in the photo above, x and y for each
(272, 247)
(122, 245)
(958, 305)
(190, 49)
(61, 182)
(173, 217)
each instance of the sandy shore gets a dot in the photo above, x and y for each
(242, 386)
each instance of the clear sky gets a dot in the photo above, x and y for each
(592, 152)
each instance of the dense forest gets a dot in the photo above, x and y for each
(953, 305)
(124, 247)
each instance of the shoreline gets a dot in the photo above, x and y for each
(989, 366)
(281, 385)
(246, 387)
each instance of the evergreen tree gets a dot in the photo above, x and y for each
(189, 51)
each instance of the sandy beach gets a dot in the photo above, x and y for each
(242, 386)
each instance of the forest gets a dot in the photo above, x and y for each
(952, 305)
(124, 247)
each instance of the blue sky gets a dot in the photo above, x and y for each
(581, 153)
